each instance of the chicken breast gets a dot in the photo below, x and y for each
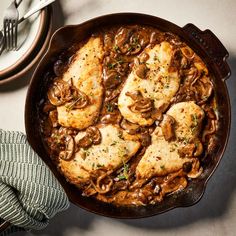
(85, 70)
(162, 156)
(160, 84)
(111, 153)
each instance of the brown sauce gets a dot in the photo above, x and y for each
(122, 45)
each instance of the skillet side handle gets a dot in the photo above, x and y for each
(213, 48)
(4, 226)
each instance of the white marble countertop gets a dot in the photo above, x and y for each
(215, 214)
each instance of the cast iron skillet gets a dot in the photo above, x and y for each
(208, 47)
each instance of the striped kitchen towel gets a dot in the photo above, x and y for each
(29, 193)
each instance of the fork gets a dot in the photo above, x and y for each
(10, 25)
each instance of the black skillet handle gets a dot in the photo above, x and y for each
(214, 49)
(4, 226)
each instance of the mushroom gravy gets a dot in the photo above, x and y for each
(142, 131)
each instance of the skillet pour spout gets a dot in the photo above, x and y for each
(204, 43)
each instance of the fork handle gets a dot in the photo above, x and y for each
(36, 8)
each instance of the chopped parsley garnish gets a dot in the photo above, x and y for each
(100, 165)
(162, 167)
(111, 65)
(93, 165)
(114, 143)
(124, 174)
(195, 122)
(121, 177)
(116, 48)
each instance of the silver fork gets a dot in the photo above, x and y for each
(10, 25)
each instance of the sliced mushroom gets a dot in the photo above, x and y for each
(144, 57)
(136, 95)
(187, 167)
(122, 38)
(80, 100)
(68, 153)
(111, 118)
(134, 49)
(112, 79)
(53, 118)
(187, 150)
(145, 139)
(131, 128)
(94, 132)
(142, 105)
(196, 169)
(198, 148)
(92, 136)
(143, 38)
(85, 142)
(167, 126)
(59, 93)
(141, 71)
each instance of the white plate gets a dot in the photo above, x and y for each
(28, 30)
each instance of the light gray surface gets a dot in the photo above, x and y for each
(215, 214)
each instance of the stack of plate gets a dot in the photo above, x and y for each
(33, 38)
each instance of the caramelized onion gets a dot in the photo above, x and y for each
(188, 53)
(209, 131)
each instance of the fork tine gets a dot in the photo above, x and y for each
(5, 33)
(12, 33)
(16, 33)
(8, 35)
